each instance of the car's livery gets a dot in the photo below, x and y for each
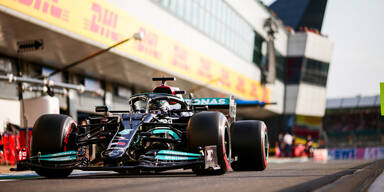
(160, 131)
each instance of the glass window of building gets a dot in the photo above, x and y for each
(293, 70)
(6, 66)
(202, 17)
(315, 72)
(195, 14)
(280, 66)
(164, 3)
(257, 53)
(180, 8)
(188, 10)
(173, 6)
(217, 20)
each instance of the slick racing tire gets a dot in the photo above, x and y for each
(51, 135)
(249, 145)
(210, 128)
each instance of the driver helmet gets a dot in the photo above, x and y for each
(161, 105)
(139, 105)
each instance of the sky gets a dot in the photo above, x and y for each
(357, 29)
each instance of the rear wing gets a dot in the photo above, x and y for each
(215, 103)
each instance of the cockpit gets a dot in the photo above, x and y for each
(158, 104)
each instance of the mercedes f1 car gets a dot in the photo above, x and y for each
(160, 131)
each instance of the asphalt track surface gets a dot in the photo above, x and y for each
(291, 176)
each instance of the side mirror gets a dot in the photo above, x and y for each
(102, 108)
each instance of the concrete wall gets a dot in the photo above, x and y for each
(305, 99)
(310, 45)
(311, 100)
(35, 107)
(291, 98)
(277, 95)
(10, 112)
(87, 103)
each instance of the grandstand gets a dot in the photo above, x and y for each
(354, 122)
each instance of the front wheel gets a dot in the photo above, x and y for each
(249, 145)
(210, 128)
(51, 135)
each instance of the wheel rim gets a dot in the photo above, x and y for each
(226, 148)
(227, 142)
(266, 146)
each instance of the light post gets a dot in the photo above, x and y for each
(271, 28)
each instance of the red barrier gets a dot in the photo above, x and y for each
(9, 148)
(299, 151)
(13, 144)
(22, 139)
(1, 150)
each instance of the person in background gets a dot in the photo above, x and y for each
(308, 146)
(288, 144)
(293, 146)
(280, 143)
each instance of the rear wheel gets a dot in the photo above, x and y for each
(210, 128)
(51, 135)
(249, 145)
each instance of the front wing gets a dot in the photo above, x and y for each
(161, 160)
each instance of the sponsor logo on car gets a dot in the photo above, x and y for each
(208, 101)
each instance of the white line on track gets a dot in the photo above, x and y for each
(288, 160)
(378, 185)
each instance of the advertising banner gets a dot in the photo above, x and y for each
(320, 155)
(307, 125)
(364, 153)
(102, 22)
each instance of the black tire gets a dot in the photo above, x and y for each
(51, 135)
(210, 128)
(250, 145)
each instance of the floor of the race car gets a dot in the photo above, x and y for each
(32, 174)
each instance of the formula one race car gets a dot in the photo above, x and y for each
(160, 131)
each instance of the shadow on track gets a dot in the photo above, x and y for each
(133, 175)
(317, 183)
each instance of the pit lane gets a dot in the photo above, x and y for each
(286, 176)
